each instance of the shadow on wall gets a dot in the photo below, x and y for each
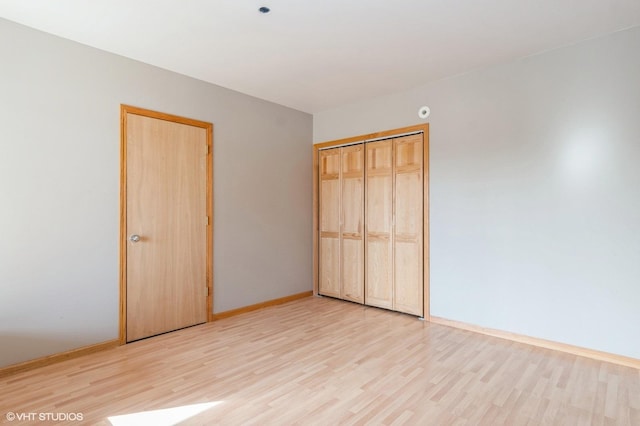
(17, 348)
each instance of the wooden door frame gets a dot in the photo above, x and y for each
(128, 109)
(424, 128)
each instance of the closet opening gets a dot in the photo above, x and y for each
(371, 222)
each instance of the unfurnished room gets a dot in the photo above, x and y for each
(282, 212)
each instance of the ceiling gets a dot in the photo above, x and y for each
(314, 56)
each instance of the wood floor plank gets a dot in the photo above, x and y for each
(322, 361)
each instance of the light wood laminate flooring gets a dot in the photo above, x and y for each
(328, 362)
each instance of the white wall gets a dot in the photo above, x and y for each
(59, 183)
(535, 191)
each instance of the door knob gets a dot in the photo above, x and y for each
(134, 238)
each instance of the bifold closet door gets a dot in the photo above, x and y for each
(394, 224)
(408, 229)
(379, 227)
(371, 223)
(329, 232)
(352, 231)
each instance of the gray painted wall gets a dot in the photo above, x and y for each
(59, 183)
(535, 191)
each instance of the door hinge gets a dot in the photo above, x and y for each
(206, 290)
(207, 220)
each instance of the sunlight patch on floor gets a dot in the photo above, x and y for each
(163, 417)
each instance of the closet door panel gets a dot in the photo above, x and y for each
(353, 223)
(379, 235)
(408, 279)
(353, 189)
(330, 206)
(330, 269)
(353, 270)
(379, 288)
(408, 236)
(353, 206)
(408, 204)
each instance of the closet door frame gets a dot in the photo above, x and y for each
(424, 128)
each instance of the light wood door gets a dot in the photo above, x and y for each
(166, 197)
(379, 227)
(408, 235)
(396, 227)
(330, 208)
(352, 232)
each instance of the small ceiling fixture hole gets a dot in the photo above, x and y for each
(264, 9)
